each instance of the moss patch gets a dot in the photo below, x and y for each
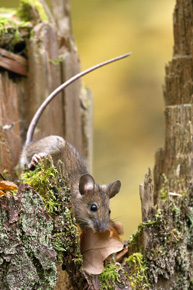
(28, 259)
(166, 243)
(8, 25)
(17, 24)
(31, 10)
(138, 272)
(43, 180)
(34, 237)
(114, 276)
(37, 229)
(109, 277)
(53, 187)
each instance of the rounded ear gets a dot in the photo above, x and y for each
(86, 184)
(114, 188)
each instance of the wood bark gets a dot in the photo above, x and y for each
(51, 59)
(176, 159)
(165, 236)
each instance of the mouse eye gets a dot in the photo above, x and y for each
(93, 207)
(109, 211)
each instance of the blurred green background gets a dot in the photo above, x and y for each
(128, 95)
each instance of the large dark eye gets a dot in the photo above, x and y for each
(109, 211)
(93, 207)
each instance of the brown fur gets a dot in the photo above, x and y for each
(85, 192)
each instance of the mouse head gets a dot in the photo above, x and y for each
(92, 205)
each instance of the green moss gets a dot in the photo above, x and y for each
(56, 61)
(31, 262)
(14, 192)
(12, 22)
(39, 239)
(62, 240)
(26, 10)
(43, 180)
(164, 189)
(168, 250)
(134, 238)
(53, 187)
(138, 272)
(10, 27)
(37, 228)
(109, 277)
(5, 24)
(164, 239)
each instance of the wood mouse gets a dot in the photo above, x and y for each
(90, 200)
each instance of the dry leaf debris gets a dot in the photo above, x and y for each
(97, 247)
(6, 185)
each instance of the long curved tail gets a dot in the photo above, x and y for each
(39, 112)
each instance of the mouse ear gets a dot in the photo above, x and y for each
(86, 184)
(114, 188)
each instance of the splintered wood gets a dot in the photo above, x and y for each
(176, 159)
(35, 58)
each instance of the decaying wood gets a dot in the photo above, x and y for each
(176, 159)
(78, 123)
(10, 140)
(146, 195)
(51, 58)
(31, 238)
(165, 236)
(13, 62)
(165, 240)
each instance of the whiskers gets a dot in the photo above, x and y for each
(118, 223)
(121, 218)
(83, 221)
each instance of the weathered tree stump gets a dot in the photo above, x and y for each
(47, 57)
(51, 58)
(176, 159)
(165, 236)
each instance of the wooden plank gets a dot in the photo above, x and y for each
(20, 59)
(13, 66)
(9, 120)
(43, 78)
(70, 67)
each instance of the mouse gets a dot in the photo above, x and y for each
(90, 200)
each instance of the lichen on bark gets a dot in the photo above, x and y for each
(166, 240)
(34, 241)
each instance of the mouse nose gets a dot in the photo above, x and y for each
(100, 226)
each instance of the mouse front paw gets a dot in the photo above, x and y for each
(35, 160)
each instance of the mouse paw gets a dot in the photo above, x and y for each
(35, 160)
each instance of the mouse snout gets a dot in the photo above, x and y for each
(100, 226)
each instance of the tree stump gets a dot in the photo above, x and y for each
(165, 236)
(35, 58)
(176, 159)
(49, 58)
